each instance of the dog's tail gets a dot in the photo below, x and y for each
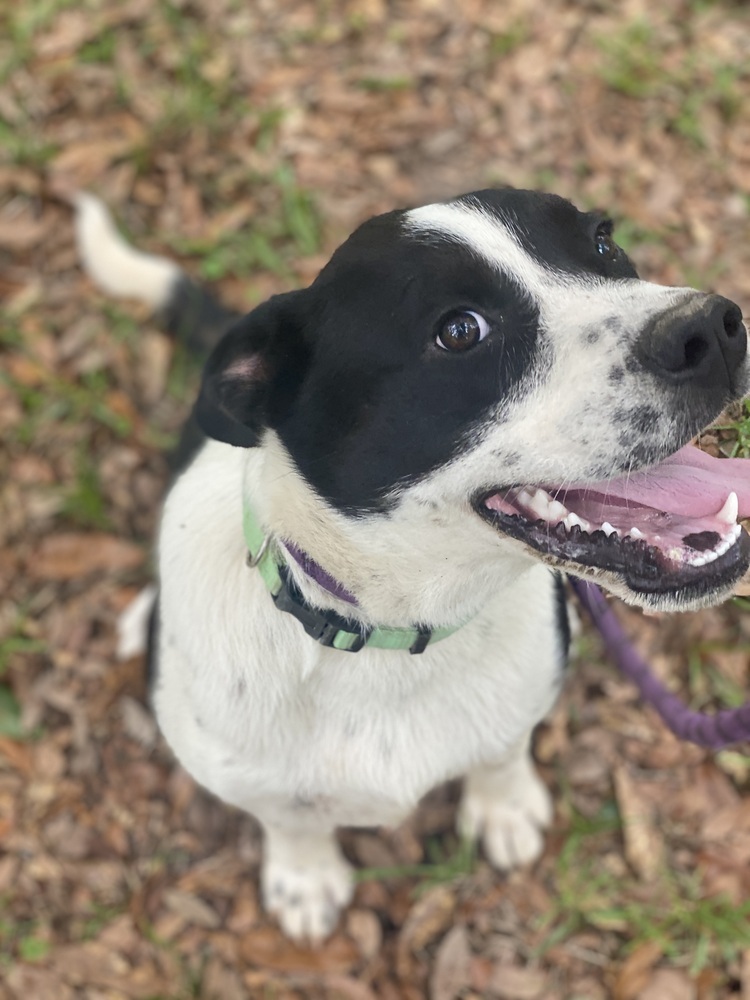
(183, 308)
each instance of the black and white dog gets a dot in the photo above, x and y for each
(358, 596)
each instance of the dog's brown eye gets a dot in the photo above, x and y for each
(605, 245)
(462, 331)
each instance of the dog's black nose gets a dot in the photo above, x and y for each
(701, 340)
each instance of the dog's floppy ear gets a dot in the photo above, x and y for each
(253, 373)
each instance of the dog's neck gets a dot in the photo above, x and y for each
(435, 566)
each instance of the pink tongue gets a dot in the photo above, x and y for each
(690, 483)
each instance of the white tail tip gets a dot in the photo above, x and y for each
(113, 265)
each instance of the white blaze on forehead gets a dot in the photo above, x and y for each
(487, 236)
(562, 296)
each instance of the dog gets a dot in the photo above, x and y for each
(384, 477)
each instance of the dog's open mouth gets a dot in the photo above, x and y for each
(661, 530)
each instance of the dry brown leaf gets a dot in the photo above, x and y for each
(192, 909)
(41, 984)
(18, 755)
(71, 29)
(81, 163)
(669, 984)
(346, 988)
(635, 971)
(364, 928)
(221, 983)
(24, 232)
(269, 948)
(71, 555)
(26, 370)
(429, 918)
(154, 358)
(745, 974)
(643, 842)
(510, 982)
(451, 972)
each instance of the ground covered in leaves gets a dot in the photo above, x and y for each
(246, 139)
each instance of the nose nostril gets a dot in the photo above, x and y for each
(696, 348)
(732, 323)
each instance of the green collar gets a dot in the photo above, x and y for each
(326, 627)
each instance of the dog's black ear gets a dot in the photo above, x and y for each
(254, 372)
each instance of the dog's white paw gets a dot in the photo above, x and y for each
(508, 815)
(306, 893)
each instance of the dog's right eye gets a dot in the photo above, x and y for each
(462, 331)
(605, 244)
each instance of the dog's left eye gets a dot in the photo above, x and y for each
(462, 331)
(605, 245)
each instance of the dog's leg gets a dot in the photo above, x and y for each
(507, 806)
(305, 881)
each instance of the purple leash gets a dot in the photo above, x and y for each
(712, 731)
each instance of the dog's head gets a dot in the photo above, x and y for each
(498, 354)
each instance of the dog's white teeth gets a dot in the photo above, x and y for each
(723, 546)
(573, 521)
(636, 533)
(542, 504)
(556, 511)
(608, 529)
(730, 510)
(539, 503)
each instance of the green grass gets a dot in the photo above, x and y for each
(100, 49)
(505, 42)
(121, 324)
(85, 504)
(442, 865)
(739, 443)
(384, 84)
(287, 229)
(15, 645)
(673, 911)
(24, 939)
(631, 235)
(22, 145)
(18, 643)
(634, 64)
(60, 401)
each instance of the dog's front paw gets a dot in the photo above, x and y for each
(307, 891)
(508, 810)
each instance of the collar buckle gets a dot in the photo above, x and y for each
(322, 626)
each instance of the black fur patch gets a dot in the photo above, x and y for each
(381, 404)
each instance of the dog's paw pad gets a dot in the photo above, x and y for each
(510, 827)
(307, 901)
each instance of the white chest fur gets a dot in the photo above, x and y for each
(258, 711)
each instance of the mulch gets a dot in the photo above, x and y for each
(202, 122)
